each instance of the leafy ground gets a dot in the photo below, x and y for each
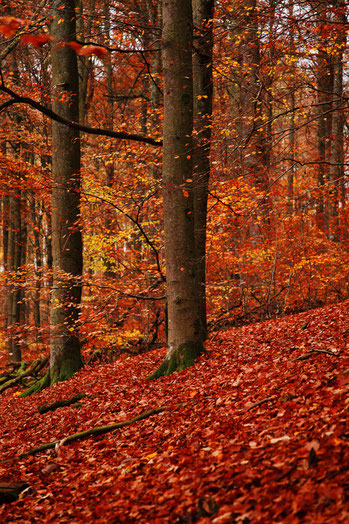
(256, 431)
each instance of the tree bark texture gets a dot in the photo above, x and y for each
(184, 327)
(336, 173)
(202, 96)
(65, 356)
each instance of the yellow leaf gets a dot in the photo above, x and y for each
(151, 456)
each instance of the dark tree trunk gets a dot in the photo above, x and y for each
(184, 327)
(65, 356)
(202, 95)
(337, 144)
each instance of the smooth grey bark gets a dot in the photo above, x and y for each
(85, 64)
(36, 218)
(15, 249)
(184, 330)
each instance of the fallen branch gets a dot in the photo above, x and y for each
(60, 404)
(37, 366)
(260, 402)
(99, 430)
(315, 352)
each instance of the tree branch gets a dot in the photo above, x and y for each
(98, 430)
(18, 99)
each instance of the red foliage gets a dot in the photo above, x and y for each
(36, 40)
(261, 435)
(10, 24)
(87, 50)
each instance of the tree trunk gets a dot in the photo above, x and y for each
(85, 65)
(202, 95)
(14, 249)
(36, 218)
(184, 327)
(324, 75)
(65, 355)
(247, 91)
(292, 96)
(337, 144)
(14, 293)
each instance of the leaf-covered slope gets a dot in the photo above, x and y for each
(256, 431)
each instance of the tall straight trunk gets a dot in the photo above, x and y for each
(65, 356)
(184, 329)
(14, 259)
(85, 65)
(110, 168)
(15, 246)
(292, 143)
(202, 95)
(36, 218)
(324, 76)
(337, 144)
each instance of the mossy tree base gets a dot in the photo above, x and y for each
(182, 357)
(41, 384)
(53, 375)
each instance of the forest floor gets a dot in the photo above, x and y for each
(256, 431)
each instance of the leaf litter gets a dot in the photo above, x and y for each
(249, 434)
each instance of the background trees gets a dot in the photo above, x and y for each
(277, 237)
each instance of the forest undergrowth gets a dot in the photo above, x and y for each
(256, 431)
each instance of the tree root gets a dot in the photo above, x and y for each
(38, 386)
(60, 404)
(10, 491)
(33, 370)
(99, 430)
(183, 357)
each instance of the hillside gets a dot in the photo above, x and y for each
(256, 431)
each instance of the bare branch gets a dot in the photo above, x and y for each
(18, 99)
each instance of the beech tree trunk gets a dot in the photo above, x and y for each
(324, 76)
(13, 263)
(336, 172)
(202, 95)
(65, 356)
(184, 326)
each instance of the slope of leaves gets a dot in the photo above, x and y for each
(256, 431)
